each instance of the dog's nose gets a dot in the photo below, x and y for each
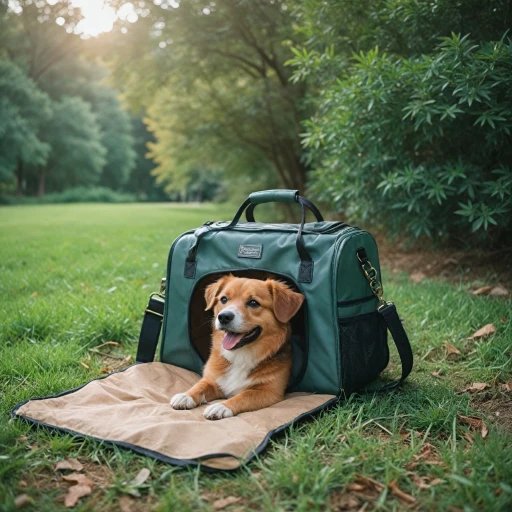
(225, 317)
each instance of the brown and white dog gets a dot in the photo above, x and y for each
(250, 361)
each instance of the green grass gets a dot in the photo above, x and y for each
(73, 277)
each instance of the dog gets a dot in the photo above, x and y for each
(250, 360)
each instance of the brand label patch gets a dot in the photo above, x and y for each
(250, 251)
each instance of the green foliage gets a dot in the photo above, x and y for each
(215, 90)
(77, 156)
(419, 143)
(23, 111)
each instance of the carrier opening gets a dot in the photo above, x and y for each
(200, 321)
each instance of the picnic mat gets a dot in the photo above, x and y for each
(131, 408)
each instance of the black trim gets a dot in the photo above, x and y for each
(159, 456)
(150, 330)
(353, 302)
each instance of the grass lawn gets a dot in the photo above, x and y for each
(74, 277)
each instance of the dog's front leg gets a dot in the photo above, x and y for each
(248, 400)
(204, 391)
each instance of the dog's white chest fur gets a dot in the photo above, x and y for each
(236, 379)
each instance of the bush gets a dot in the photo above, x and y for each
(412, 124)
(422, 143)
(76, 195)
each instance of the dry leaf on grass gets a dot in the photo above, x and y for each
(507, 386)
(79, 478)
(499, 291)
(85, 365)
(451, 350)
(34, 295)
(475, 423)
(477, 386)
(393, 487)
(125, 504)
(483, 290)
(417, 277)
(141, 477)
(436, 374)
(355, 487)
(427, 455)
(72, 464)
(424, 482)
(225, 502)
(82, 488)
(76, 492)
(486, 330)
(23, 500)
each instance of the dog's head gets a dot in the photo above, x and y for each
(248, 309)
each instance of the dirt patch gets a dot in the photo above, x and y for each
(493, 267)
(498, 409)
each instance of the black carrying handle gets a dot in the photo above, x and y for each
(266, 196)
(249, 213)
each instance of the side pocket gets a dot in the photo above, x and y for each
(364, 349)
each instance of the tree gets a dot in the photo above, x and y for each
(213, 81)
(77, 154)
(24, 109)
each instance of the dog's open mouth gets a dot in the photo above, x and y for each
(234, 340)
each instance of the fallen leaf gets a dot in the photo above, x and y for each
(34, 295)
(141, 477)
(483, 290)
(476, 424)
(436, 374)
(507, 386)
(224, 502)
(451, 350)
(369, 482)
(424, 482)
(79, 478)
(417, 277)
(502, 320)
(477, 386)
(104, 370)
(85, 365)
(467, 437)
(22, 500)
(486, 330)
(393, 487)
(125, 504)
(343, 501)
(76, 492)
(499, 291)
(23, 483)
(354, 486)
(72, 464)
(428, 455)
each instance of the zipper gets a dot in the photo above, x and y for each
(353, 302)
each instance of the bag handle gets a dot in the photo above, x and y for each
(249, 213)
(265, 196)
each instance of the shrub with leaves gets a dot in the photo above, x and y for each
(422, 143)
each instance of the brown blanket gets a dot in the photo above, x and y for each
(131, 408)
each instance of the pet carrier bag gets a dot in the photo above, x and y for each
(339, 338)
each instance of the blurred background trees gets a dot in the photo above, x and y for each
(393, 113)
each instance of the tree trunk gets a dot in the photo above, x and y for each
(19, 178)
(42, 182)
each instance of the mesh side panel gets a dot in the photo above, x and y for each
(364, 349)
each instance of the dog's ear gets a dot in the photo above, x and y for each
(211, 292)
(286, 302)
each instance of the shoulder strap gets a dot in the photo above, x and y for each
(150, 330)
(394, 324)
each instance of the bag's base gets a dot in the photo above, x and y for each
(131, 409)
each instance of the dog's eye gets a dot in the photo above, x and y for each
(253, 303)
(223, 300)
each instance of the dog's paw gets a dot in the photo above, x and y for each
(217, 412)
(182, 401)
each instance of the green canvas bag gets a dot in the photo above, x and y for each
(339, 339)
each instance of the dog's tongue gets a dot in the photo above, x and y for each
(231, 339)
